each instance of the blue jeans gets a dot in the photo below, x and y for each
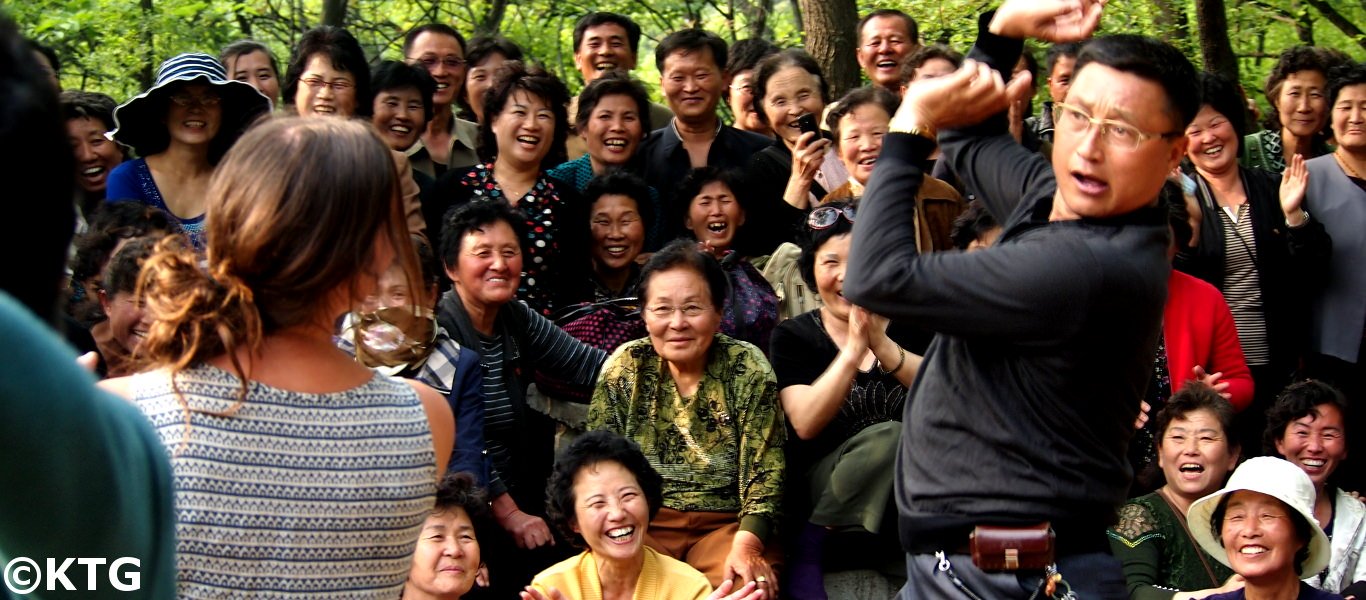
(1095, 576)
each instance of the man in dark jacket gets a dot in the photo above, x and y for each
(1026, 401)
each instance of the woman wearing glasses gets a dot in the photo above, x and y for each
(842, 381)
(329, 77)
(181, 127)
(703, 407)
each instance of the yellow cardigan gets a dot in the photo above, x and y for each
(661, 578)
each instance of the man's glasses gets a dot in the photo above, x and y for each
(825, 217)
(1115, 134)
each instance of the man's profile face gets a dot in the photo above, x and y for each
(1100, 176)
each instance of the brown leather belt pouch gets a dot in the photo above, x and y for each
(1012, 548)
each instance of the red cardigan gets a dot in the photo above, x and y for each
(1199, 330)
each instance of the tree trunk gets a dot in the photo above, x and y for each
(334, 13)
(756, 18)
(148, 73)
(493, 18)
(1215, 47)
(1346, 26)
(830, 38)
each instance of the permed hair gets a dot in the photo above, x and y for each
(345, 54)
(475, 216)
(926, 54)
(768, 67)
(1194, 396)
(1292, 60)
(1297, 401)
(586, 452)
(396, 75)
(683, 254)
(512, 77)
(857, 97)
(90, 105)
(613, 83)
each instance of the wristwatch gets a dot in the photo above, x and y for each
(924, 131)
(1303, 222)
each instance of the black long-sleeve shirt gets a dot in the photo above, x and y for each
(1025, 404)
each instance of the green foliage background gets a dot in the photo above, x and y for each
(106, 45)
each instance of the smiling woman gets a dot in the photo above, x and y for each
(181, 127)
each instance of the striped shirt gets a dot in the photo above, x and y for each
(1243, 286)
(294, 495)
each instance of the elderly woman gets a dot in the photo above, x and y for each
(602, 495)
(800, 167)
(1255, 244)
(523, 135)
(1262, 526)
(842, 381)
(482, 251)
(1337, 198)
(181, 127)
(715, 215)
(485, 55)
(402, 104)
(1161, 559)
(859, 121)
(118, 337)
(448, 562)
(1297, 91)
(703, 407)
(1308, 427)
(329, 77)
(619, 210)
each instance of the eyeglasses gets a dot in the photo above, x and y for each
(451, 62)
(747, 88)
(336, 85)
(1115, 134)
(665, 312)
(188, 100)
(825, 217)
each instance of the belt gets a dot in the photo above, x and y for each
(955, 541)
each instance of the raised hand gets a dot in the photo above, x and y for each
(1212, 380)
(1294, 181)
(967, 96)
(1049, 20)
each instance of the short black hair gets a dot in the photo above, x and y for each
(111, 223)
(459, 490)
(92, 105)
(621, 183)
(698, 178)
(1154, 60)
(691, 40)
(514, 76)
(426, 259)
(586, 451)
(612, 83)
(746, 54)
(484, 46)
(121, 274)
(475, 216)
(857, 97)
(1344, 76)
(595, 19)
(345, 53)
(1303, 531)
(1193, 396)
(925, 54)
(410, 38)
(1297, 401)
(912, 28)
(769, 66)
(1031, 64)
(1056, 51)
(1221, 94)
(813, 239)
(1293, 60)
(244, 47)
(684, 254)
(971, 224)
(395, 75)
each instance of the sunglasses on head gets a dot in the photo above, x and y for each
(826, 216)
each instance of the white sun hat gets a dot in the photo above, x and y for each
(1274, 477)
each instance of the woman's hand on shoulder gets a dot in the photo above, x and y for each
(529, 531)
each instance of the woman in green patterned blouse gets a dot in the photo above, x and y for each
(704, 409)
(1161, 560)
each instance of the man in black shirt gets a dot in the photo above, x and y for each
(1026, 400)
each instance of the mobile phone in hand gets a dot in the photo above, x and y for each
(807, 122)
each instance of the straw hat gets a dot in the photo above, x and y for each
(1274, 477)
(138, 122)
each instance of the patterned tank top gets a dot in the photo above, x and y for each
(295, 495)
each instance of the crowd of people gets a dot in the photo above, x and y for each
(440, 328)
